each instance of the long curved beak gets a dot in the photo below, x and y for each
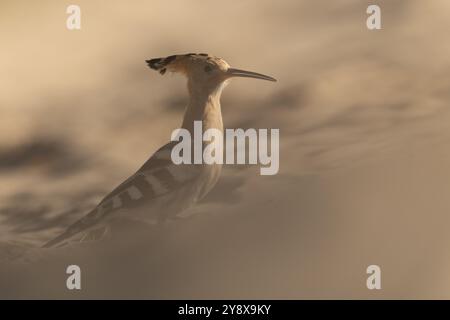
(232, 72)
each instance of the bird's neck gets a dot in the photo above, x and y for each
(204, 105)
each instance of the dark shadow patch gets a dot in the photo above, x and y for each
(176, 103)
(287, 100)
(27, 213)
(52, 156)
(290, 98)
(32, 219)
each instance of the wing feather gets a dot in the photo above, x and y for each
(157, 177)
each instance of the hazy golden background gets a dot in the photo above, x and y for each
(364, 159)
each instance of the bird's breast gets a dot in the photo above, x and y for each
(209, 177)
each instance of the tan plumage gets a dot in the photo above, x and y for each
(160, 190)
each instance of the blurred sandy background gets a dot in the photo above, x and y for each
(364, 169)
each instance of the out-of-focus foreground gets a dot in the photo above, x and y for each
(364, 148)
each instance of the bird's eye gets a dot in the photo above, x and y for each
(208, 69)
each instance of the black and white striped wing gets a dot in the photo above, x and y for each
(158, 177)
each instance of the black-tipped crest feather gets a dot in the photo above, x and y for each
(161, 64)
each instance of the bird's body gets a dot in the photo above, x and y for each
(160, 189)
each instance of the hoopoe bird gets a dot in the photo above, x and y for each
(160, 189)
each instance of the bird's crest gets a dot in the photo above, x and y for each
(176, 62)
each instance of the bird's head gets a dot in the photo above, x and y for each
(202, 70)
